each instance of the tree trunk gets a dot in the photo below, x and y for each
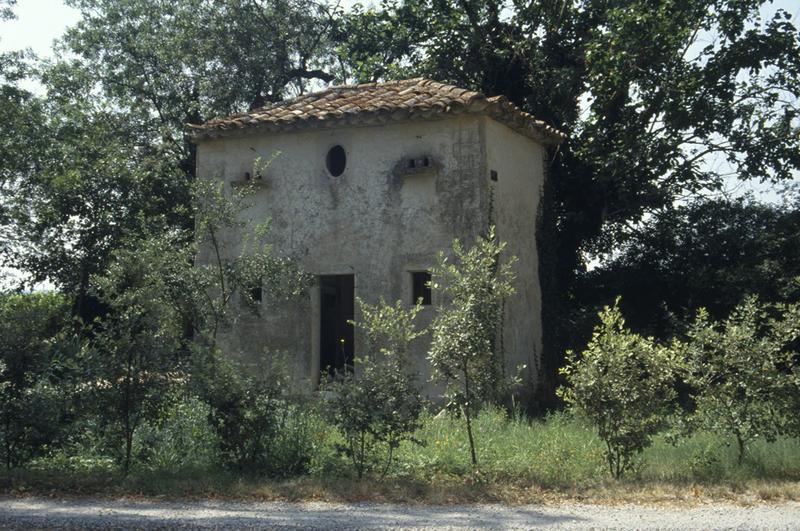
(466, 411)
(471, 439)
(740, 444)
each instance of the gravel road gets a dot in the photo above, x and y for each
(39, 513)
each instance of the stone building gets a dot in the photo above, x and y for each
(367, 183)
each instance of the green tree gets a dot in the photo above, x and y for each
(166, 297)
(464, 353)
(133, 357)
(81, 195)
(108, 145)
(624, 384)
(177, 63)
(22, 116)
(225, 256)
(741, 369)
(228, 254)
(29, 412)
(707, 253)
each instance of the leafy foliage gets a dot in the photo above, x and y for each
(464, 351)
(623, 383)
(379, 405)
(132, 356)
(707, 253)
(247, 410)
(232, 256)
(105, 156)
(181, 438)
(29, 405)
(742, 370)
(84, 181)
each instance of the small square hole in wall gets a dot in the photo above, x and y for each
(493, 175)
(421, 287)
(255, 294)
(418, 163)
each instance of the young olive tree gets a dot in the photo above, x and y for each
(379, 405)
(744, 372)
(464, 352)
(233, 257)
(624, 384)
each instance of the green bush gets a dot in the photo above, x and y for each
(29, 403)
(259, 429)
(744, 373)
(624, 384)
(378, 406)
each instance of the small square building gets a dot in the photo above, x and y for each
(366, 184)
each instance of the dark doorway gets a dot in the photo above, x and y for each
(336, 332)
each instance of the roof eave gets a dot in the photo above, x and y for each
(513, 118)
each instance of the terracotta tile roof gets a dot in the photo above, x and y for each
(376, 103)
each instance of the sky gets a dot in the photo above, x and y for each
(38, 24)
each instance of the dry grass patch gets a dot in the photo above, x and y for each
(441, 491)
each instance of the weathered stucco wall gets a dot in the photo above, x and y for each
(371, 221)
(518, 163)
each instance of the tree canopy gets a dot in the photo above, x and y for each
(706, 253)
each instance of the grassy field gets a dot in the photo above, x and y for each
(520, 461)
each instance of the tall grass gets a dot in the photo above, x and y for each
(555, 453)
(561, 451)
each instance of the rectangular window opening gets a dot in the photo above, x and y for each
(421, 287)
(255, 294)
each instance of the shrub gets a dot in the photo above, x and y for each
(29, 412)
(743, 373)
(623, 383)
(181, 438)
(257, 426)
(464, 350)
(379, 405)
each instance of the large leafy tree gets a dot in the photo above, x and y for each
(704, 254)
(177, 63)
(21, 118)
(85, 176)
(659, 101)
(107, 146)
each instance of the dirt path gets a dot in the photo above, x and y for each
(27, 513)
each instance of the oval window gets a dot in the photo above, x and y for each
(336, 160)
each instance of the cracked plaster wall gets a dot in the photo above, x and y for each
(374, 222)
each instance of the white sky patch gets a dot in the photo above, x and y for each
(38, 24)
